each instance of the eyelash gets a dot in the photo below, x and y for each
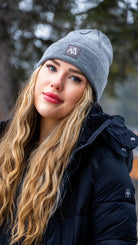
(51, 66)
(77, 79)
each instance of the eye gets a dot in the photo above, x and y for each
(51, 67)
(76, 79)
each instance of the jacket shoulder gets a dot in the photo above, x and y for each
(120, 139)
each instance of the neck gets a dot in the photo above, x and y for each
(46, 126)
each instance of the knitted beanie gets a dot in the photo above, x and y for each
(89, 50)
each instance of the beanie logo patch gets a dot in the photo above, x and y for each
(73, 51)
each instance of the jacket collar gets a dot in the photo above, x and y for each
(95, 118)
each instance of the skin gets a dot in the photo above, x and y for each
(64, 80)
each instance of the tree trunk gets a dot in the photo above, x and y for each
(5, 82)
(5, 72)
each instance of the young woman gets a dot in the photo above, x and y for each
(64, 163)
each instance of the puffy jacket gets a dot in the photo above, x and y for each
(97, 204)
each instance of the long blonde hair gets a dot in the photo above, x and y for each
(44, 168)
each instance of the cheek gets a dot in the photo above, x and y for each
(41, 79)
(39, 85)
(36, 100)
(37, 93)
(76, 95)
(36, 89)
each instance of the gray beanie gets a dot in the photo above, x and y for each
(89, 50)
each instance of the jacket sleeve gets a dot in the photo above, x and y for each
(113, 214)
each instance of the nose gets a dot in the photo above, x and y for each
(58, 82)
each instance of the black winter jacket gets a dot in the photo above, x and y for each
(97, 205)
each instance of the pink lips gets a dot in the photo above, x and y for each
(52, 98)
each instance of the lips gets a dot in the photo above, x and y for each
(52, 98)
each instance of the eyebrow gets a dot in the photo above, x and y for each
(70, 69)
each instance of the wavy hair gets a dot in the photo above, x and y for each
(41, 173)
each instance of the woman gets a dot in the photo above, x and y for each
(64, 163)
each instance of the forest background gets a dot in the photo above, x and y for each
(28, 27)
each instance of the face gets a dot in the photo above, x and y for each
(59, 86)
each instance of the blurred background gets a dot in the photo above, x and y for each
(28, 27)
